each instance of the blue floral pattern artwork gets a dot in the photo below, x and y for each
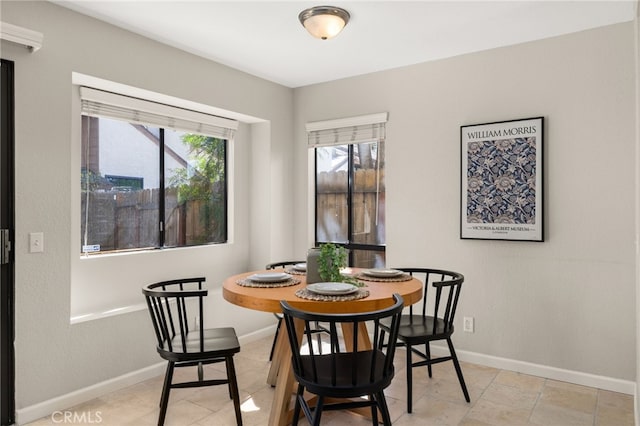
(501, 181)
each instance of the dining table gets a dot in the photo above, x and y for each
(374, 292)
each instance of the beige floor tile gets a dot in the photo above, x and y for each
(510, 396)
(451, 391)
(473, 422)
(498, 397)
(428, 411)
(615, 399)
(546, 414)
(255, 408)
(478, 375)
(614, 409)
(45, 421)
(258, 350)
(520, 381)
(342, 418)
(497, 414)
(610, 416)
(121, 412)
(397, 407)
(570, 386)
(398, 388)
(180, 413)
(569, 396)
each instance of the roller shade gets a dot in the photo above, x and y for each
(353, 130)
(98, 103)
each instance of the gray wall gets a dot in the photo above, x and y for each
(569, 302)
(637, 233)
(55, 358)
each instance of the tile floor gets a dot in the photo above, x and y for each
(498, 397)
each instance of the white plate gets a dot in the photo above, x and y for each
(332, 289)
(382, 273)
(300, 266)
(270, 277)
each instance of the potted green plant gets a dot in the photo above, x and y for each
(332, 258)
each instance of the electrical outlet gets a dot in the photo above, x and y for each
(468, 324)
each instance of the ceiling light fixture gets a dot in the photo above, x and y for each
(324, 22)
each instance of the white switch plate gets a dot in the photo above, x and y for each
(36, 242)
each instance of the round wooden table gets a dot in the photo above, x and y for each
(268, 299)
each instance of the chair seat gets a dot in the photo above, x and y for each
(418, 329)
(218, 342)
(182, 347)
(361, 374)
(422, 329)
(362, 362)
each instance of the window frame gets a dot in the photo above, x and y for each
(349, 245)
(190, 125)
(339, 132)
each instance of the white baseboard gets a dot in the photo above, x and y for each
(62, 402)
(635, 406)
(45, 408)
(576, 377)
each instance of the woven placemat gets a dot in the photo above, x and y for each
(250, 283)
(365, 277)
(293, 271)
(304, 293)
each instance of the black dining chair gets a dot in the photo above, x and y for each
(183, 341)
(344, 369)
(425, 327)
(318, 327)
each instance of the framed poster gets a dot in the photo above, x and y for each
(501, 180)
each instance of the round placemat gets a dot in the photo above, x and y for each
(293, 271)
(305, 293)
(365, 277)
(250, 283)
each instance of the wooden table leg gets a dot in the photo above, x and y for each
(281, 350)
(285, 382)
(282, 375)
(363, 336)
(279, 415)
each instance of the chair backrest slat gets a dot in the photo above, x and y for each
(299, 329)
(169, 311)
(436, 307)
(166, 319)
(447, 311)
(454, 306)
(425, 292)
(354, 353)
(182, 321)
(447, 286)
(151, 304)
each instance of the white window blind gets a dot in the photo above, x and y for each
(352, 130)
(98, 103)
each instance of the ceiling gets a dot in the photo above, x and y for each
(265, 38)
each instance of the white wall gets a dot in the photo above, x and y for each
(567, 303)
(54, 358)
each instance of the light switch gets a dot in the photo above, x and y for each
(36, 242)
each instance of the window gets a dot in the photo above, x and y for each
(350, 187)
(146, 183)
